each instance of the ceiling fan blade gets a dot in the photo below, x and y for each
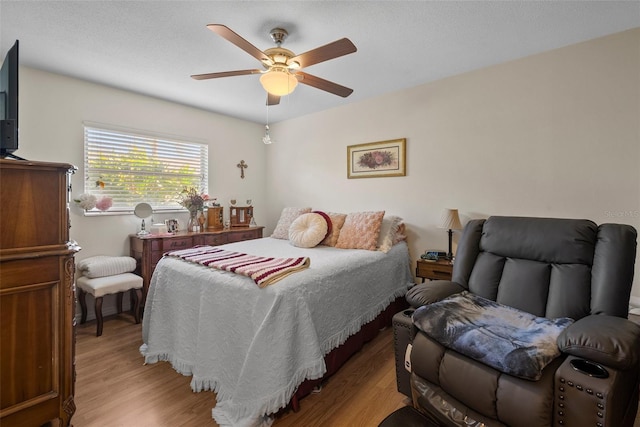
(272, 99)
(323, 84)
(227, 33)
(324, 53)
(224, 74)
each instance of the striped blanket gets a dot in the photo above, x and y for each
(263, 270)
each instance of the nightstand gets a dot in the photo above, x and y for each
(434, 270)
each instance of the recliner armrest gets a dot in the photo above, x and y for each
(609, 340)
(434, 291)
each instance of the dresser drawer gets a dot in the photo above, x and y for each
(176, 244)
(238, 236)
(215, 239)
(162, 246)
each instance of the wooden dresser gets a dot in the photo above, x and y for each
(147, 250)
(37, 294)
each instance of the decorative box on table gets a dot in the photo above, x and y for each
(214, 218)
(240, 216)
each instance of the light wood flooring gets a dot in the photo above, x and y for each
(115, 389)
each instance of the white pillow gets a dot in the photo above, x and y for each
(388, 231)
(308, 230)
(104, 265)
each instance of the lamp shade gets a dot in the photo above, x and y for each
(278, 82)
(450, 220)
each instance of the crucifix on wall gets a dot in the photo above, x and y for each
(242, 165)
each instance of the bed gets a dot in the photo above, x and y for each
(253, 346)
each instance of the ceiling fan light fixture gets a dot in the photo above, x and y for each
(281, 66)
(280, 58)
(278, 82)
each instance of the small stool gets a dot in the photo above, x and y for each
(101, 286)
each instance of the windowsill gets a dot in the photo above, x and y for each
(93, 213)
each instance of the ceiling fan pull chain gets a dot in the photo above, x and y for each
(266, 139)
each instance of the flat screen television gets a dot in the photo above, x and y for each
(9, 103)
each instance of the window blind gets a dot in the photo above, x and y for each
(132, 168)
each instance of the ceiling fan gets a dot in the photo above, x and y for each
(282, 67)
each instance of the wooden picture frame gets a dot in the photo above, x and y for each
(377, 159)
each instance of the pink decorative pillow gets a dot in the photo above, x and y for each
(307, 230)
(287, 216)
(360, 231)
(337, 221)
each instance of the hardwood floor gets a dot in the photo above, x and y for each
(115, 389)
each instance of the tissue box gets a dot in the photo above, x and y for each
(159, 229)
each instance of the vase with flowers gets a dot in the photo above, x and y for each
(193, 201)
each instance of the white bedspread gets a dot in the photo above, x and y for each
(254, 346)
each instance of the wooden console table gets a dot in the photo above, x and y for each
(147, 250)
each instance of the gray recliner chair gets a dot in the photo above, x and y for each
(551, 269)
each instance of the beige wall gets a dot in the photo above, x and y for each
(555, 134)
(53, 108)
(52, 111)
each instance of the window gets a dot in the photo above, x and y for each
(131, 168)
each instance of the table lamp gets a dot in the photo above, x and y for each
(451, 221)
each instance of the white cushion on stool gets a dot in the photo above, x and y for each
(104, 265)
(101, 286)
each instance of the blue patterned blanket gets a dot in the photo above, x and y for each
(505, 338)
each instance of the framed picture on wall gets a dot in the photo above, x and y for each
(377, 159)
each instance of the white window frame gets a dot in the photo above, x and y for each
(133, 166)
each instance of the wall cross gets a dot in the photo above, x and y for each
(242, 165)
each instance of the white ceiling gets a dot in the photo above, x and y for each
(152, 47)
